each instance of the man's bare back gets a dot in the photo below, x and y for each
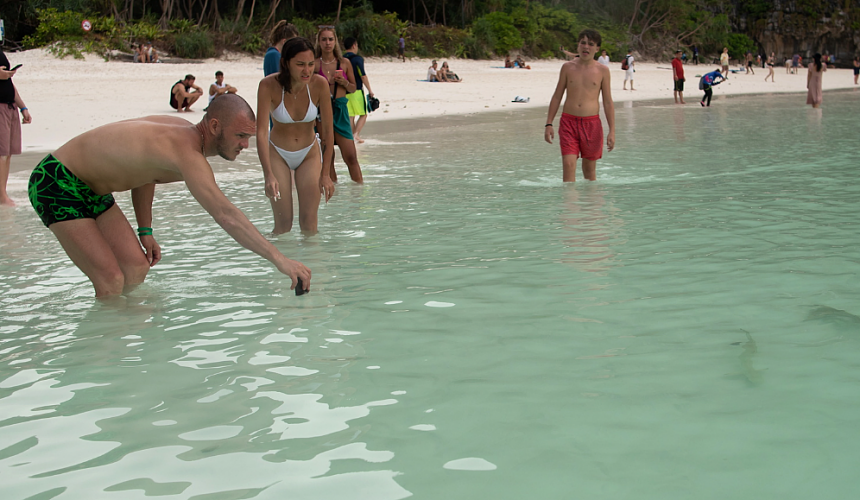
(151, 149)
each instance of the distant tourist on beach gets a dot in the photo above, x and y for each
(749, 63)
(150, 54)
(139, 54)
(856, 69)
(695, 54)
(357, 101)
(446, 75)
(678, 76)
(814, 81)
(603, 59)
(567, 54)
(627, 65)
(508, 62)
(219, 87)
(520, 63)
(181, 95)
(707, 83)
(432, 73)
(71, 191)
(795, 63)
(401, 48)
(758, 60)
(724, 61)
(292, 144)
(10, 124)
(281, 32)
(337, 70)
(580, 132)
(770, 63)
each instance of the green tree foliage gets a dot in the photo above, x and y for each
(739, 44)
(497, 31)
(467, 28)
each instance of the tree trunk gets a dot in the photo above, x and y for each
(239, 10)
(251, 16)
(337, 17)
(166, 13)
(275, 4)
(203, 13)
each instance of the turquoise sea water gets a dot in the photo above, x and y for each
(688, 326)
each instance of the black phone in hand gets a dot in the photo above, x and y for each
(300, 287)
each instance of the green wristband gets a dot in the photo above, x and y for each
(144, 231)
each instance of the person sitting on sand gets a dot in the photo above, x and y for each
(446, 75)
(151, 55)
(508, 62)
(219, 87)
(181, 97)
(432, 73)
(139, 53)
(521, 63)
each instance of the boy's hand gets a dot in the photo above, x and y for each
(610, 141)
(548, 134)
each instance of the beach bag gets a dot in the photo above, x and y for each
(625, 65)
(372, 103)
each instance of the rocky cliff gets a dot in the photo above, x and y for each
(805, 27)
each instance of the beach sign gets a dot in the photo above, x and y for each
(86, 25)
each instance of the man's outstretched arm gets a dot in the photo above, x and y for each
(201, 182)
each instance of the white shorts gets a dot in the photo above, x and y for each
(628, 74)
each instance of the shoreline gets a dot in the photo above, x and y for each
(67, 97)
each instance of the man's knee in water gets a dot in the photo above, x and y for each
(136, 273)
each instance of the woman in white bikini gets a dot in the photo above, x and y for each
(294, 97)
(337, 70)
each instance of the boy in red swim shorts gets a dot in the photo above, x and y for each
(580, 131)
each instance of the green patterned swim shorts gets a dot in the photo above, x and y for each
(59, 195)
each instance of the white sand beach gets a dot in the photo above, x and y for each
(69, 96)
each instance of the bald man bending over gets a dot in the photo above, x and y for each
(71, 190)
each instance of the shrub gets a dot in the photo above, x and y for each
(497, 31)
(739, 44)
(193, 45)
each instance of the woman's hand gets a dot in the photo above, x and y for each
(273, 190)
(340, 80)
(326, 187)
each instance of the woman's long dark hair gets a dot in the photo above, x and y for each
(817, 58)
(292, 48)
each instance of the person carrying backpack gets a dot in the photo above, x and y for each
(627, 66)
(707, 83)
(357, 104)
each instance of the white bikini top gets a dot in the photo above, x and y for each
(281, 115)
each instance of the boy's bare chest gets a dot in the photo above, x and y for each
(584, 80)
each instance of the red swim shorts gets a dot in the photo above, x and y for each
(581, 136)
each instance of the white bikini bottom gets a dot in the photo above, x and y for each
(295, 158)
